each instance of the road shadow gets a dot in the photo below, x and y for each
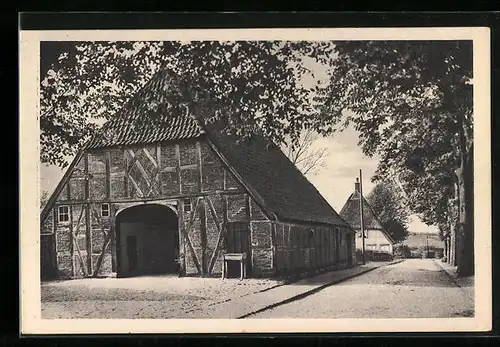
(466, 313)
(418, 277)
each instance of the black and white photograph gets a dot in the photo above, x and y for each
(250, 177)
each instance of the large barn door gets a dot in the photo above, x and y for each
(147, 241)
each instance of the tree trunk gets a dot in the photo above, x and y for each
(448, 256)
(465, 230)
(452, 245)
(453, 256)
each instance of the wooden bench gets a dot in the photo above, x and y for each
(241, 257)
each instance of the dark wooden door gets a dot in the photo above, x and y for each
(238, 241)
(48, 268)
(237, 237)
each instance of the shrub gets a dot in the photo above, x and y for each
(402, 251)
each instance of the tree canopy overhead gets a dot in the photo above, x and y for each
(409, 101)
(259, 83)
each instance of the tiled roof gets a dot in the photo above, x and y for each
(280, 186)
(350, 213)
(146, 119)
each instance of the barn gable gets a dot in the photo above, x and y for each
(278, 185)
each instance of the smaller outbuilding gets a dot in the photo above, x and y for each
(378, 243)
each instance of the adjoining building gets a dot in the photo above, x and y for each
(378, 243)
(160, 191)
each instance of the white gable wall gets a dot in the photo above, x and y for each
(375, 241)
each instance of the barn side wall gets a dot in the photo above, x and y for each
(188, 175)
(262, 242)
(304, 248)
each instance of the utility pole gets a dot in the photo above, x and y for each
(361, 215)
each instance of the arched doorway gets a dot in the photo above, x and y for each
(147, 241)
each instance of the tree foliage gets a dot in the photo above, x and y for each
(403, 251)
(411, 103)
(404, 98)
(389, 205)
(257, 83)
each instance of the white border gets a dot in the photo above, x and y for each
(31, 322)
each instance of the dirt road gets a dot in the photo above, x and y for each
(414, 288)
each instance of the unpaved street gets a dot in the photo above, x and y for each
(410, 289)
(155, 297)
(415, 288)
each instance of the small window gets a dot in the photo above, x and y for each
(311, 233)
(359, 233)
(63, 214)
(105, 210)
(187, 205)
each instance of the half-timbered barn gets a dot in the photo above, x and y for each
(173, 195)
(377, 240)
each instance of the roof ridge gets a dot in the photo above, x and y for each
(314, 187)
(262, 153)
(277, 148)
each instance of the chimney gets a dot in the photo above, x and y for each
(356, 185)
